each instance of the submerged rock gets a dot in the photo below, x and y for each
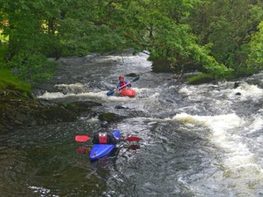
(132, 75)
(121, 107)
(110, 117)
(236, 85)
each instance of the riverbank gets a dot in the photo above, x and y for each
(18, 110)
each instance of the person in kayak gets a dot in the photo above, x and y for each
(104, 136)
(121, 83)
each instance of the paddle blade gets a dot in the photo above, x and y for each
(83, 150)
(110, 93)
(136, 79)
(81, 138)
(133, 138)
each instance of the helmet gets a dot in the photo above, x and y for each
(121, 77)
(104, 124)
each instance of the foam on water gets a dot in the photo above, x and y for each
(185, 90)
(139, 60)
(247, 91)
(75, 85)
(100, 95)
(53, 95)
(257, 124)
(238, 161)
(42, 191)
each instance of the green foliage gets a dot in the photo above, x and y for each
(200, 78)
(8, 80)
(30, 42)
(31, 67)
(255, 54)
(3, 38)
(3, 50)
(228, 27)
(215, 36)
(159, 27)
(99, 39)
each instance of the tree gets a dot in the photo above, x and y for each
(255, 54)
(227, 26)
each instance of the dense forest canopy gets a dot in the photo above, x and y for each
(221, 38)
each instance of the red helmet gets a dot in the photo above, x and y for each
(121, 77)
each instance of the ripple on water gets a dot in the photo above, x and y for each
(203, 140)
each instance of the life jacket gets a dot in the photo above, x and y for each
(103, 138)
(122, 84)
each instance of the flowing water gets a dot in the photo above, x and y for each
(203, 140)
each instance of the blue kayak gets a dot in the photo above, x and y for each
(99, 151)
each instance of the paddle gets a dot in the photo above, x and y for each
(133, 138)
(82, 138)
(83, 149)
(85, 138)
(111, 92)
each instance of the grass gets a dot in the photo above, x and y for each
(200, 78)
(9, 81)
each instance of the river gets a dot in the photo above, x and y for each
(202, 140)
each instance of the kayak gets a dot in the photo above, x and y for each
(128, 92)
(99, 151)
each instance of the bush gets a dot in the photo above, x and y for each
(8, 80)
(32, 68)
(200, 78)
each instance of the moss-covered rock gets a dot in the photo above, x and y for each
(81, 106)
(200, 78)
(18, 110)
(110, 117)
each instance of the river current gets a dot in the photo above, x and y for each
(197, 140)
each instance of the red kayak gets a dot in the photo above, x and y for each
(128, 92)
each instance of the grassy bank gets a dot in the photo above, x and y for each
(9, 81)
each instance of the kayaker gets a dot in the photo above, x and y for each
(104, 136)
(121, 83)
